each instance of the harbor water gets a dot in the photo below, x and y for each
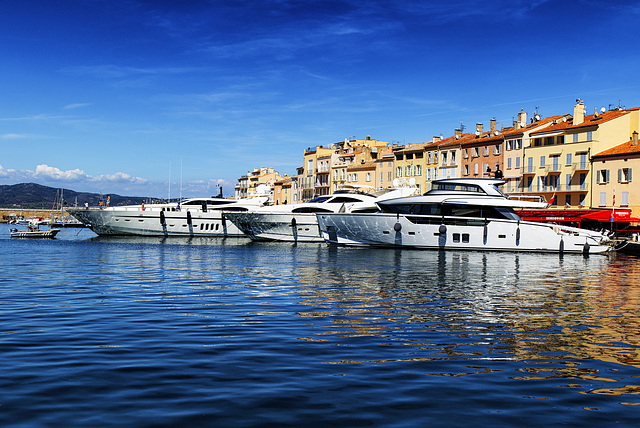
(138, 332)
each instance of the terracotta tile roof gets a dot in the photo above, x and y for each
(623, 149)
(589, 120)
(509, 132)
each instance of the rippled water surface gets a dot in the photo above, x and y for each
(225, 332)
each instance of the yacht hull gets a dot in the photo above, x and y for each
(154, 222)
(286, 227)
(427, 232)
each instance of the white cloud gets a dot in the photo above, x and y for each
(13, 136)
(75, 106)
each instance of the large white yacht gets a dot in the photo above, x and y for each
(190, 217)
(298, 223)
(460, 214)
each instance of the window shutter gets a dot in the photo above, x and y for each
(629, 178)
(608, 176)
(598, 176)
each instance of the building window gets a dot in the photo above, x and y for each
(567, 200)
(537, 142)
(368, 177)
(569, 159)
(389, 175)
(310, 167)
(624, 175)
(475, 169)
(475, 152)
(602, 176)
(509, 163)
(485, 151)
(519, 143)
(465, 170)
(603, 199)
(575, 138)
(398, 171)
(589, 136)
(517, 161)
(465, 153)
(542, 158)
(444, 158)
(418, 169)
(624, 200)
(568, 181)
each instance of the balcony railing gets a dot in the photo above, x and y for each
(552, 169)
(580, 166)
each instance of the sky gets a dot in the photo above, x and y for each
(174, 98)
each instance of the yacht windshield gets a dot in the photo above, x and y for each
(457, 187)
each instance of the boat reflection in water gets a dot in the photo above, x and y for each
(538, 316)
(462, 214)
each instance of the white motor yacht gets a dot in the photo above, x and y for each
(298, 223)
(190, 217)
(460, 214)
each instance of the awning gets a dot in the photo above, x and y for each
(617, 216)
(573, 215)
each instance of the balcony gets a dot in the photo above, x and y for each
(528, 170)
(552, 169)
(580, 166)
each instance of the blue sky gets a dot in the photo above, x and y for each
(120, 96)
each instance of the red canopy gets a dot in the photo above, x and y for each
(578, 215)
(617, 216)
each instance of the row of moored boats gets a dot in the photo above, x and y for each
(460, 214)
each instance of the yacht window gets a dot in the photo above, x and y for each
(456, 237)
(319, 199)
(465, 238)
(343, 199)
(311, 210)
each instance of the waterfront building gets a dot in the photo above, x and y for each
(315, 180)
(241, 189)
(248, 185)
(614, 184)
(348, 160)
(557, 162)
(450, 157)
(515, 141)
(283, 190)
(385, 167)
(410, 164)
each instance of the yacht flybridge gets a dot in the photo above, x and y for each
(460, 214)
(190, 217)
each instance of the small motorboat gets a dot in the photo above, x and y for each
(33, 232)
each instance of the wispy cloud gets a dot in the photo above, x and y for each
(75, 106)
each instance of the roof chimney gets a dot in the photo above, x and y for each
(458, 133)
(492, 126)
(478, 129)
(516, 124)
(578, 112)
(634, 138)
(522, 119)
(436, 138)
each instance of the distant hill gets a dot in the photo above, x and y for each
(36, 196)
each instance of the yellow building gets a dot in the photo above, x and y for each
(256, 181)
(315, 177)
(613, 169)
(353, 152)
(515, 141)
(557, 163)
